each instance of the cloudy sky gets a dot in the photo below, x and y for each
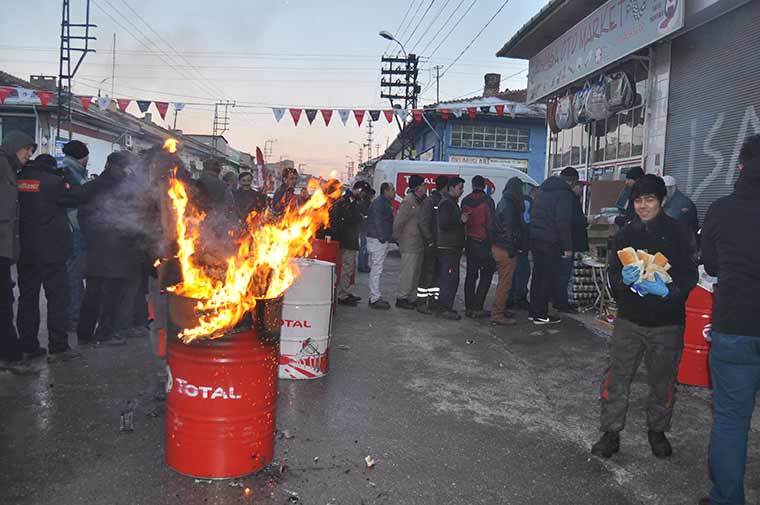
(263, 54)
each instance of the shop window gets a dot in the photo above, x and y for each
(567, 145)
(553, 161)
(637, 147)
(23, 124)
(625, 135)
(575, 154)
(490, 137)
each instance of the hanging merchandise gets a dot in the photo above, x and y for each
(344, 115)
(45, 97)
(417, 115)
(551, 116)
(178, 106)
(374, 114)
(311, 114)
(621, 92)
(296, 115)
(579, 105)
(123, 103)
(162, 108)
(144, 105)
(597, 100)
(359, 115)
(327, 115)
(388, 115)
(85, 101)
(499, 110)
(278, 113)
(471, 111)
(565, 116)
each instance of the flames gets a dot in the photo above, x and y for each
(171, 145)
(262, 267)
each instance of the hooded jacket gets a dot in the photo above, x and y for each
(450, 230)
(508, 230)
(345, 221)
(481, 209)
(428, 224)
(406, 229)
(662, 234)
(9, 165)
(731, 252)
(681, 208)
(551, 214)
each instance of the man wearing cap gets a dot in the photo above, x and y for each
(731, 252)
(75, 160)
(481, 266)
(407, 234)
(679, 206)
(624, 202)
(578, 225)
(650, 319)
(15, 151)
(429, 287)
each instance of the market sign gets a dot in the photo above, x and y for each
(613, 31)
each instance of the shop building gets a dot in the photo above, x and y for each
(692, 64)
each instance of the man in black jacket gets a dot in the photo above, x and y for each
(345, 221)
(429, 287)
(578, 225)
(551, 240)
(248, 199)
(625, 202)
(731, 251)
(507, 234)
(449, 245)
(45, 247)
(650, 319)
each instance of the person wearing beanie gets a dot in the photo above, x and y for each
(480, 263)
(731, 252)
(650, 319)
(74, 165)
(450, 240)
(407, 234)
(624, 201)
(345, 220)
(429, 287)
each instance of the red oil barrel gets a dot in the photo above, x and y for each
(328, 251)
(694, 369)
(221, 396)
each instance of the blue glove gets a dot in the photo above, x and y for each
(631, 274)
(656, 287)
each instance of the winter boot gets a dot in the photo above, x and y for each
(608, 445)
(659, 443)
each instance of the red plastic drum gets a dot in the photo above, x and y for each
(694, 369)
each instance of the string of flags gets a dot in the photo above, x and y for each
(24, 95)
(375, 114)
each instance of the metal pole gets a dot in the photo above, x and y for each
(437, 84)
(113, 65)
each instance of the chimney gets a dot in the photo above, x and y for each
(148, 117)
(491, 88)
(46, 82)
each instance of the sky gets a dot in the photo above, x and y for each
(273, 53)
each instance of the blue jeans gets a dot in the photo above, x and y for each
(363, 253)
(520, 279)
(560, 294)
(735, 370)
(75, 267)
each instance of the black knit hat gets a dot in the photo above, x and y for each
(415, 182)
(46, 162)
(634, 173)
(649, 184)
(76, 149)
(569, 173)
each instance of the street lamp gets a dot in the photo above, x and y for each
(387, 36)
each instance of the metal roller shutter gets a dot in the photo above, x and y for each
(714, 103)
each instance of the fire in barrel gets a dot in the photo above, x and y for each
(225, 316)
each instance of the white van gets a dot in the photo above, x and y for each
(397, 172)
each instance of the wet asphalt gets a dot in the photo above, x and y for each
(452, 413)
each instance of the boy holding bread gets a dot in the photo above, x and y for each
(652, 269)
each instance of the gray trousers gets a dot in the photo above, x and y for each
(347, 269)
(409, 278)
(660, 347)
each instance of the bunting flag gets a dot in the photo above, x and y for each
(144, 105)
(162, 108)
(278, 113)
(5, 93)
(374, 114)
(25, 95)
(178, 106)
(123, 103)
(511, 109)
(344, 115)
(485, 109)
(417, 115)
(471, 112)
(104, 102)
(296, 115)
(311, 114)
(85, 101)
(327, 115)
(388, 115)
(445, 114)
(45, 97)
(402, 114)
(457, 112)
(499, 110)
(359, 115)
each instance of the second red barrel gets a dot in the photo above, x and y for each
(694, 369)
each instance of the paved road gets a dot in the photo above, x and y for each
(506, 419)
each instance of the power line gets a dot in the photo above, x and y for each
(400, 35)
(420, 21)
(399, 26)
(442, 26)
(453, 28)
(430, 25)
(475, 37)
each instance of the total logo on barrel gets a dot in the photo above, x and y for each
(185, 388)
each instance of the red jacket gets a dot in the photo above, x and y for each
(481, 209)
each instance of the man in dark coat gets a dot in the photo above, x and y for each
(578, 225)
(248, 199)
(16, 149)
(429, 287)
(449, 245)
(345, 221)
(551, 240)
(679, 206)
(731, 252)
(625, 202)
(480, 210)
(650, 319)
(114, 256)
(379, 237)
(508, 240)
(45, 248)
(285, 195)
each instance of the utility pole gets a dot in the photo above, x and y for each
(268, 147)
(368, 145)
(113, 74)
(401, 84)
(438, 83)
(221, 122)
(65, 71)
